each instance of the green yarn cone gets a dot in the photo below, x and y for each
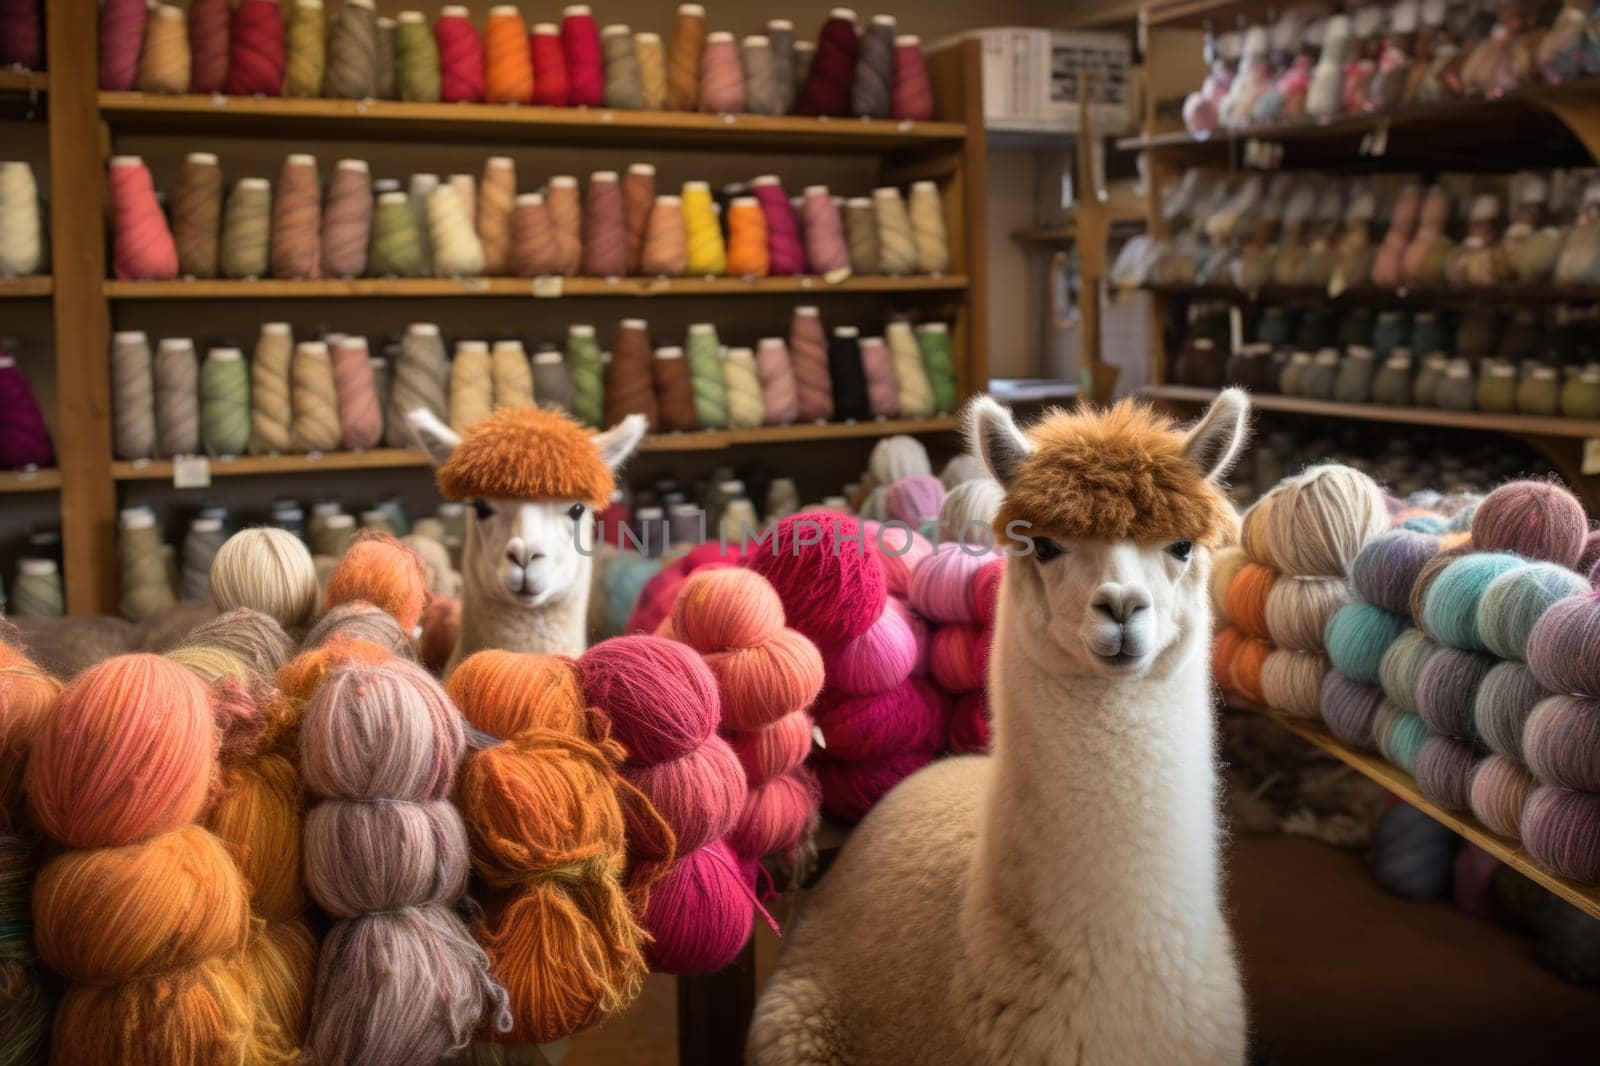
(396, 246)
(705, 371)
(225, 405)
(416, 62)
(588, 376)
(934, 339)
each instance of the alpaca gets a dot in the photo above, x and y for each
(1059, 900)
(536, 481)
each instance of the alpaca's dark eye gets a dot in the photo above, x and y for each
(575, 512)
(1045, 549)
(1180, 549)
(483, 510)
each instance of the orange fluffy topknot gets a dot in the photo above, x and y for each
(526, 453)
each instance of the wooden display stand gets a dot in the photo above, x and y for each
(1551, 126)
(86, 125)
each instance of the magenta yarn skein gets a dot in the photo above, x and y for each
(658, 695)
(775, 750)
(850, 789)
(699, 794)
(958, 658)
(986, 590)
(940, 585)
(699, 916)
(909, 717)
(24, 437)
(914, 499)
(899, 550)
(878, 660)
(121, 39)
(969, 724)
(777, 816)
(832, 588)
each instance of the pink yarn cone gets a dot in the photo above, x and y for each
(356, 393)
(121, 38)
(143, 248)
(826, 249)
(780, 396)
(24, 437)
(785, 251)
(883, 385)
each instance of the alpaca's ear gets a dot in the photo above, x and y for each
(993, 436)
(1214, 442)
(621, 440)
(432, 435)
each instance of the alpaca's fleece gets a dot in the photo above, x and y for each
(526, 453)
(1116, 474)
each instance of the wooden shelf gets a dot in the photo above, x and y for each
(1376, 297)
(14, 80)
(540, 288)
(1195, 14)
(29, 480)
(402, 458)
(1585, 897)
(1531, 425)
(1068, 231)
(27, 288)
(342, 119)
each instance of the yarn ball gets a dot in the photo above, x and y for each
(364, 621)
(910, 717)
(893, 458)
(832, 588)
(257, 639)
(1471, 879)
(441, 627)
(1561, 742)
(1443, 770)
(1591, 554)
(898, 551)
(1358, 636)
(1323, 518)
(1401, 741)
(1564, 647)
(699, 795)
(1247, 599)
(384, 572)
(777, 817)
(963, 466)
(1291, 681)
(126, 754)
(1447, 688)
(913, 500)
(1450, 604)
(1506, 697)
(699, 916)
(1224, 646)
(941, 584)
(726, 608)
(968, 510)
(876, 661)
(506, 694)
(1255, 531)
(1402, 665)
(269, 570)
(1350, 709)
(1244, 669)
(657, 695)
(1224, 567)
(1500, 789)
(759, 685)
(959, 658)
(1535, 519)
(969, 724)
(1298, 610)
(1561, 829)
(986, 591)
(851, 789)
(1569, 943)
(1515, 601)
(774, 750)
(1412, 855)
(1387, 566)
(27, 696)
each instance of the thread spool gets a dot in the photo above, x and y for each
(804, 53)
(780, 397)
(605, 230)
(809, 357)
(471, 384)
(722, 85)
(861, 234)
(177, 389)
(508, 61)
(871, 92)
(743, 381)
(747, 239)
(824, 236)
(396, 249)
(224, 396)
(416, 59)
(496, 200)
(456, 250)
(421, 379)
(461, 60)
(197, 215)
(629, 386)
(883, 387)
(550, 82)
(652, 60)
(588, 374)
(146, 589)
(665, 248)
(847, 373)
(21, 229)
(765, 93)
(580, 43)
(352, 62)
(164, 63)
(705, 252)
(684, 57)
(511, 375)
(356, 395)
(133, 396)
(638, 197)
(255, 60)
(831, 75)
(387, 77)
(552, 384)
(914, 398)
(897, 248)
(296, 219)
(347, 221)
(710, 387)
(246, 229)
(912, 97)
(143, 245)
(37, 591)
(566, 216)
(785, 250)
(926, 212)
(315, 426)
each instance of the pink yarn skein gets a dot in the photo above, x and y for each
(899, 551)
(876, 661)
(143, 248)
(941, 584)
(831, 586)
(914, 499)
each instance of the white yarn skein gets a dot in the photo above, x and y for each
(21, 232)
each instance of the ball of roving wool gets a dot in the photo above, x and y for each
(441, 626)
(959, 657)
(1224, 568)
(1561, 829)
(1505, 698)
(1244, 669)
(1402, 664)
(1291, 681)
(658, 696)
(1564, 647)
(899, 550)
(986, 590)
(1427, 576)
(941, 583)
(896, 457)
(969, 723)
(380, 570)
(1323, 518)
(1401, 739)
(1561, 742)
(1224, 646)
(1298, 610)
(832, 588)
(969, 509)
(1447, 687)
(877, 660)
(1516, 600)
(726, 608)
(777, 816)
(699, 915)
(913, 500)
(1254, 529)
(962, 467)
(1412, 855)
(400, 849)
(850, 789)
(1247, 599)
(1569, 943)
(507, 693)
(268, 570)
(1350, 709)
(1450, 605)
(1358, 636)
(699, 794)
(774, 750)
(1443, 770)
(1535, 519)
(1500, 789)
(365, 621)
(762, 684)
(1386, 568)
(910, 717)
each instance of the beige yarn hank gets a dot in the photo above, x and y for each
(497, 194)
(247, 230)
(897, 249)
(421, 377)
(133, 396)
(652, 70)
(315, 426)
(177, 382)
(927, 228)
(271, 414)
(511, 375)
(916, 392)
(457, 252)
(471, 385)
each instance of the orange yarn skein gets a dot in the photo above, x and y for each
(508, 71)
(26, 695)
(382, 571)
(747, 239)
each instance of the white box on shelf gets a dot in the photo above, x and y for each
(1032, 78)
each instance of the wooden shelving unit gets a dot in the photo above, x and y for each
(542, 288)
(86, 126)
(29, 480)
(25, 82)
(1374, 767)
(1368, 296)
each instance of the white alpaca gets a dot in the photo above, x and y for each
(526, 564)
(1059, 900)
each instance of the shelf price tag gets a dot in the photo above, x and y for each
(191, 472)
(548, 286)
(1591, 457)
